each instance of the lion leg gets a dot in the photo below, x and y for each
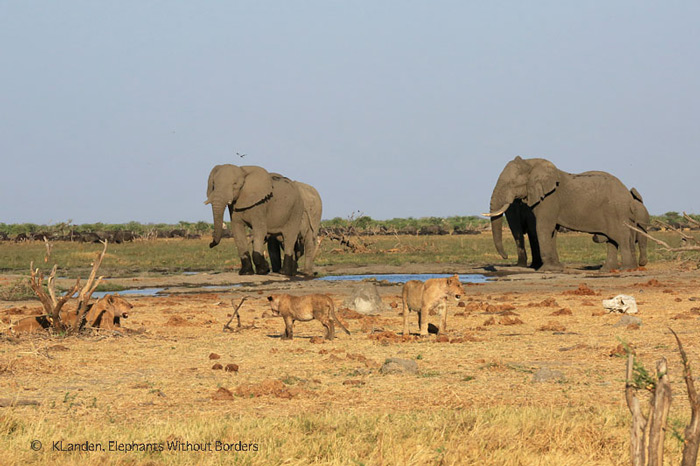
(288, 328)
(442, 310)
(406, 312)
(423, 320)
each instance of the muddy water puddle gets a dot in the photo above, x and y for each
(403, 278)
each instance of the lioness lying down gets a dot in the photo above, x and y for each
(424, 297)
(305, 308)
(105, 313)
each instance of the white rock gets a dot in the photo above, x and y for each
(622, 303)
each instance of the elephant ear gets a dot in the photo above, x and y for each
(256, 187)
(210, 182)
(636, 195)
(543, 180)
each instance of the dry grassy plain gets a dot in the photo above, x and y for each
(474, 400)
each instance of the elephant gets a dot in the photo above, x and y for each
(307, 243)
(521, 221)
(266, 203)
(593, 202)
(641, 221)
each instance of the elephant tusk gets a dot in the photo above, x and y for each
(207, 202)
(498, 212)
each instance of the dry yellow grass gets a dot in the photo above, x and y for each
(473, 401)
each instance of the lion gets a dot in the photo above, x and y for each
(305, 308)
(104, 313)
(433, 294)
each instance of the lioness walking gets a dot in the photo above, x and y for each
(305, 308)
(433, 294)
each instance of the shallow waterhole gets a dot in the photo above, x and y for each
(403, 278)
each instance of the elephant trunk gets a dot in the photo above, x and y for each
(217, 207)
(498, 205)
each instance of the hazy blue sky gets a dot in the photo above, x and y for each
(116, 111)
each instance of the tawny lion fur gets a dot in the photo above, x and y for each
(104, 313)
(433, 294)
(305, 308)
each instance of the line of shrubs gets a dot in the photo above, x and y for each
(364, 225)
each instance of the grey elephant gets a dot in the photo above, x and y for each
(307, 243)
(521, 221)
(641, 221)
(585, 202)
(267, 204)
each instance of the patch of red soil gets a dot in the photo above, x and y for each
(222, 394)
(552, 327)
(510, 321)
(562, 312)
(582, 290)
(549, 302)
(268, 387)
(177, 321)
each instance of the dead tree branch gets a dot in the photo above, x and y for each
(665, 245)
(52, 304)
(691, 220)
(227, 326)
(89, 288)
(692, 430)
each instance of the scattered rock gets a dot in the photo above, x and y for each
(399, 366)
(365, 299)
(231, 368)
(490, 321)
(217, 367)
(58, 348)
(222, 394)
(214, 356)
(562, 312)
(317, 340)
(545, 374)
(628, 320)
(442, 338)
(621, 304)
(682, 317)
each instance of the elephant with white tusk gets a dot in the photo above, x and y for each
(268, 204)
(592, 202)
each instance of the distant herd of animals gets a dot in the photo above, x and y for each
(537, 199)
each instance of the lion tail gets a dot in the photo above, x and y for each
(337, 321)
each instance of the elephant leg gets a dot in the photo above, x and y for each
(534, 243)
(309, 251)
(627, 250)
(611, 260)
(642, 244)
(546, 236)
(289, 239)
(261, 265)
(273, 250)
(520, 246)
(239, 235)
